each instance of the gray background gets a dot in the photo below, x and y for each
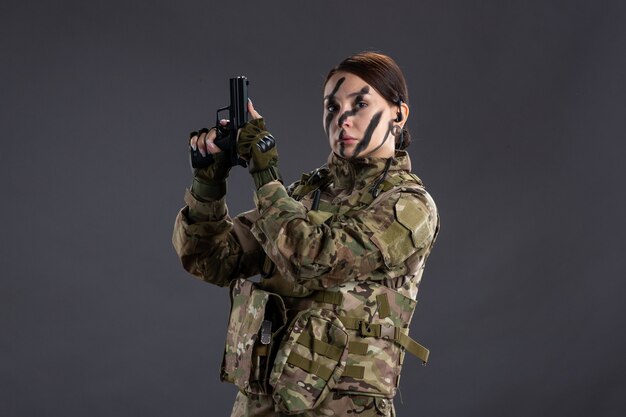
(518, 114)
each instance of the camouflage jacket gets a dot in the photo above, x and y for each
(370, 236)
(309, 256)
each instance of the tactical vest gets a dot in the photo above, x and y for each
(350, 338)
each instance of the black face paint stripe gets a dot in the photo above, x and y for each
(336, 88)
(331, 97)
(329, 119)
(367, 137)
(347, 114)
(361, 92)
(355, 109)
(384, 139)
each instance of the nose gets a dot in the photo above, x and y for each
(346, 118)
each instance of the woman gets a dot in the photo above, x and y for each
(341, 254)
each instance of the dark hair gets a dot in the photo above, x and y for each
(382, 73)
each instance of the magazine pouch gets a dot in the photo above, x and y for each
(256, 317)
(310, 360)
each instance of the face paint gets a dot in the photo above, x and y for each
(345, 115)
(367, 137)
(330, 98)
(355, 109)
(384, 138)
(342, 149)
(353, 112)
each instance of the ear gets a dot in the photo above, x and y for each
(404, 108)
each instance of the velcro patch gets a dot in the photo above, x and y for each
(406, 234)
(415, 218)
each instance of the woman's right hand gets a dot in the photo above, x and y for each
(209, 183)
(204, 140)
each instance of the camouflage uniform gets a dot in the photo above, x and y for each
(355, 260)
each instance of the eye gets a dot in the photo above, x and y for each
(361, 104)
(331, 108)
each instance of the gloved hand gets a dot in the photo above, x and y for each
(257, 146)
(209, 183)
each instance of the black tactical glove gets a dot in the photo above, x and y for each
(257, 146)
(210, 183)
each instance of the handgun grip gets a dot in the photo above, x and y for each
(222, 141)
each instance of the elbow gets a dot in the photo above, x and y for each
(213, 273)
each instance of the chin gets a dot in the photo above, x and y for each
(347, 153)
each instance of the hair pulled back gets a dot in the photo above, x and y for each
(381, 72)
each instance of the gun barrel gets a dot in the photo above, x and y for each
(238, 112)
(238, 101)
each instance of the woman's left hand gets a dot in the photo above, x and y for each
(253, 113)
(257, 146)
(250, 130)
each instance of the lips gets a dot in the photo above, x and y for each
(346, 138)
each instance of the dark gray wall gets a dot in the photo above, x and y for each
(518, 109)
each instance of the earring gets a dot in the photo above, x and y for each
(398, 132)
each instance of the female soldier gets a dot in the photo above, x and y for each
(341, 254)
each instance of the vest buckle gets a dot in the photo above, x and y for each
(369, 329)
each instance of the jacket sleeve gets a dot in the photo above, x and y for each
(380, 237)
(211, 245)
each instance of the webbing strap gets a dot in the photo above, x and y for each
(412, 346)
(383, 306)
(357, 348)
(330, 297)
(354, 371)
(320, 347)
(351, 323)
(312, 367)
(309, 366)
(395, 333)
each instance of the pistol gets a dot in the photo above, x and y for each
(226, 138)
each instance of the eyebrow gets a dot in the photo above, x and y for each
(362, 92)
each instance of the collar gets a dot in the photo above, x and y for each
(357, 173)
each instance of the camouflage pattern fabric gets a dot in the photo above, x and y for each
(335, 405)
(243, 364)
(302, 375)
(212, 246)
(371, 243)
(383, 358)
(374, 253)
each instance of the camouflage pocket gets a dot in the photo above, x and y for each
(256, 317)
(310, 361)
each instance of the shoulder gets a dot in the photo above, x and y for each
(411, 220)
(406, 186)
